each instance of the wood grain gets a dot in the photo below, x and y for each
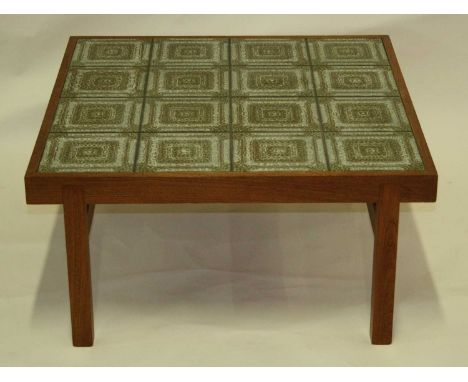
(79, 267)
(384, 265)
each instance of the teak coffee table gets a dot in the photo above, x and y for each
(279, 119)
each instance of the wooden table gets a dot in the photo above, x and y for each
(279, 119)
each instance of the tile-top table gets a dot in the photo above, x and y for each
(230, 120)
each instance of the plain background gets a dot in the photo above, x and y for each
(236, 284)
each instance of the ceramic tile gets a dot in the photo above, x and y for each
(355, 81)
(105, 82)
(279, 152)
(269, 52)
(112, 52)
(97, 115)
(190, 52)
(363, 114)
(373, 152)
(189, 82)
(347, 52)
(108, 152)
(186, 115)
(275, 114)
(184, 152)
(271, 81)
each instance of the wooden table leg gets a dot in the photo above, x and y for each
(77, 221)
(384, 265)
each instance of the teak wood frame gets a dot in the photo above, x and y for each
(383, 191)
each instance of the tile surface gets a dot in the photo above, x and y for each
(230, 104)
(112, 52)
(105, 82)
(98, 115)
(89, 152)
(184, 152)
(355, 81)
(269, 52)
(279, 152)
(190, 52)
(275, 114)
(373, 151)
(272, 81)
(189, 81)
(347, 52)
(363, 114)
(186, 115)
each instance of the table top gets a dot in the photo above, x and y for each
(282, 104)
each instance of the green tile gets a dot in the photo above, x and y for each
(373, 152)
(190, 52)
(271, 81)
(279, 152)
(97, 115)
(105, 82)
(101, 152)
(347, 52)
(355, 81)
(269, 52)
(275, 114)
(363, 114)
(112, 52)
(186, 115)
(188, 82)
(167, 152)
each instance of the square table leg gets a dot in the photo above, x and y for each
(78, 217)
(384, 264)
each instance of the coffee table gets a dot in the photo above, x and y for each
(278, 119)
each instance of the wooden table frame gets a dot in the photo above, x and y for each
(383, 191)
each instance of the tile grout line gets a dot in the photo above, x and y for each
(143, 106)
(231, 141)
(317, 104)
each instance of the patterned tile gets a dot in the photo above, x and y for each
(371, 114)
(105, 82)
(355, 81)
(267, 81)
(192, 81)
(347, 52)
(275, 114)
(186, 114)
(184, 152)
(269, 52)
(97, 115)
(109, 152)
(279, 152)
(113, 52)
(190, 52)
(373, 152)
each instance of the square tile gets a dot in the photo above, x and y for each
(279, 152)
(97, 115)
(347, 52)
(355, 81)
(189, 82)
(112, 52)
(184, 152)
(190, 52)
(275, 114)
(109, 152)
(271, 81)
(105, 82)
(373, 152)
(186, 114)
(363, 114)
(269, 52)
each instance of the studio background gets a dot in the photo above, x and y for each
(236, 284)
